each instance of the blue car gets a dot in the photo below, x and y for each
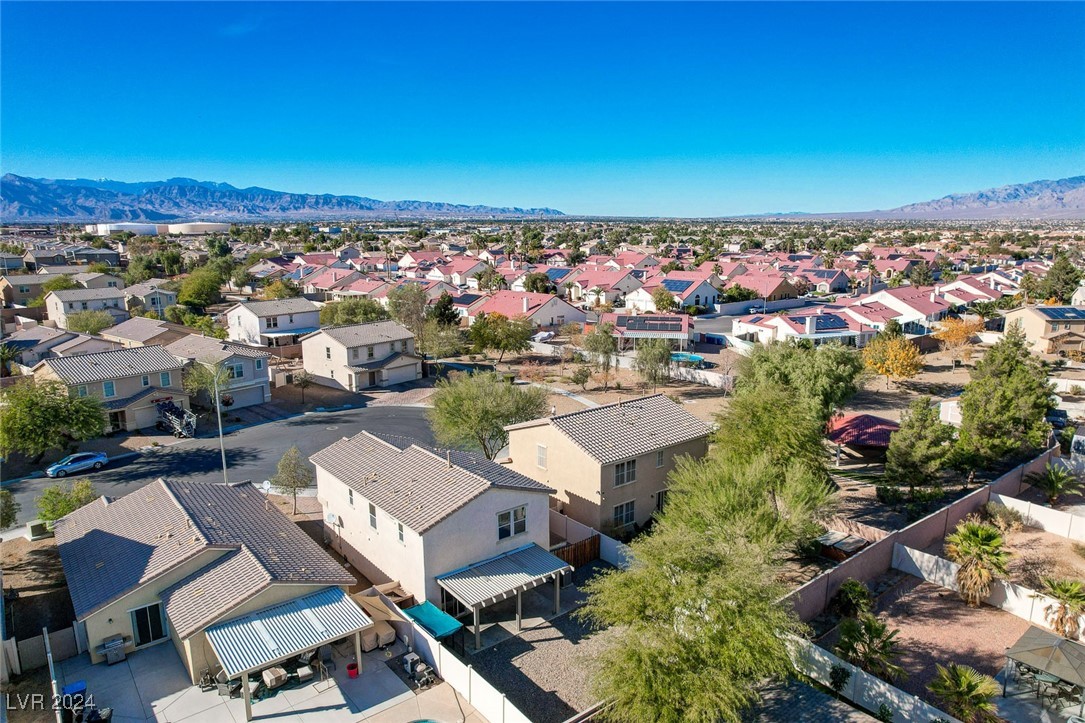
(77, 463)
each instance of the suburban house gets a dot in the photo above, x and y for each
(128, 381)
(62, 304)
(918, 307)
(21, 289)
(248, 381)
(1051, 329)
(97, 280)
(436, 520)
(359, 356)
(11, 262)
(142, 331)
(768, 287)
(543, 310)
(603, 285)
(150, 296)
(631, 328)
(457, 271)
(688, 288)
(35, 343)
(609, 464)
(280, 322)
(202, 566)
(818, 326)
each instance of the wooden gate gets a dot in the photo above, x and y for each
(580, 553)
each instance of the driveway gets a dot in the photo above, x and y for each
(252, 453)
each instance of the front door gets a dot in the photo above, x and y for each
(118, 421)
(372, 379)
(661, 499)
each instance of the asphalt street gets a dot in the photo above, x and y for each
(251, 454)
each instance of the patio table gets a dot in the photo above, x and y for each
(1044, 680)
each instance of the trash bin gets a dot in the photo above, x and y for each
(352, 670)
(72, 698)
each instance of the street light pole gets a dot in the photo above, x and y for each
(218, 412)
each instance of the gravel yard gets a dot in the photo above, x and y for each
(32, 570)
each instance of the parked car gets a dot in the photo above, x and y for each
(77, 463)
(1058, 418)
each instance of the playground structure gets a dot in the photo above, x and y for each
(176, 419)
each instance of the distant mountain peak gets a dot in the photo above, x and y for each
(85, 200)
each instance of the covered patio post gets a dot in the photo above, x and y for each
(557, 593)
(358, 650)
(478, 633)
(248, 695)
(519, 611)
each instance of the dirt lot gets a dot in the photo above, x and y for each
(33, 571)
(938, 379)
(936, 627)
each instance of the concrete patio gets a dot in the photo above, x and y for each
(1022, 704)
(152, 685)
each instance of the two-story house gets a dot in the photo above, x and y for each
(143, 331)
(21, 289)
(128, 381)
(438, 521)
(149, 296)
(280, 322)
(248, 381)
(1051, 329)
(60, 305)
(358, 356)
(97, 280)
(609, 464)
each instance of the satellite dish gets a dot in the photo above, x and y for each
(266, 486)
(331, 518)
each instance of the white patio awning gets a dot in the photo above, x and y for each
(279, 632)
(493, 580)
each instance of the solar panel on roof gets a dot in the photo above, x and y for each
(676, 286)
(827, 322)
(1066, 313)
(555, 274)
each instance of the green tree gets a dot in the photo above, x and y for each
(140, 268)
(653, 361)
(442, 341)
(444, 311)
(581, 376)
(279, 289)
(490, 279)
(978, 549)
(892, 327)
(664, 300)
(472, 410)
(1064, 614)
(90, 322)
(772, 419)
(825, 376)
(292, 475)
(407, 303)
(966, 693)
(9, 509)
(538, 282)
(352, 311)
(1004, 405)
(868, 642)
(59, 500)
(1055, 481)
(921, 275)
(499, 333)
(42, 416)
(303, 380)
(1061, 280)
(9, 354)
(241, 278)
(202, 288)
(603, 347)
(60, 283)
(919, 448)
(704, 594)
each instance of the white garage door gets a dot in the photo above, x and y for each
(247, 397)
(398, 375)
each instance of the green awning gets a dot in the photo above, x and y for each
(437, 623)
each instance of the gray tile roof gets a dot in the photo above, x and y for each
(140, 328)
(109, 549)
(296, 305)
(144, 289)
(374, 332)
(628, 429)
(113, 364)
(210, 350)
(27, 338)
(29, 279)
(67, 295)
(75, 342)
(416, 484)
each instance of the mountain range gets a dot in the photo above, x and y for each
(42, 199)
(32, 200)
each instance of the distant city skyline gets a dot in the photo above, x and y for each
(613, 109)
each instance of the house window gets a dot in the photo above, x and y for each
(235, 371)
(372, 515)
(148, 624)
(327, 352)
(83, 305)
(109, 389)
(81, 390)
(24, 289)
(145, 380)
(399, 530)
(350, 497)
(512, 522)
(111, 284)
(273, 322)
(369, 352)
(290, 317)
(540, 456)
(661, 499)
(660, 455)
(623, 514)
(1054, 327)
(354, 353)
(259, 364)
(164, 379)
(625, 473)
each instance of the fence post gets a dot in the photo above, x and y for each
(470, 684)
(502, 708)
(52, 672)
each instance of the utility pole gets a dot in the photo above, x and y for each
(218, 413)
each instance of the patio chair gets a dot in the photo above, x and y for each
(327, 656)
(227, 687)
(1070, 695)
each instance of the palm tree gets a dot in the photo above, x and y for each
(1064, 615)
(1056, 480)
(868, 642)
(966, 693)
(977, 548)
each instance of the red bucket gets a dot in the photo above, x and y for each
(352, 670)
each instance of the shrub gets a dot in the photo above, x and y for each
(852, 598)
(884, 714)
(1002, 518)
(888, 495)
(838, 678)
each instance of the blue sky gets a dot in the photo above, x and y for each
(611, 108)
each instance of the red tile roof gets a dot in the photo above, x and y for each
(862, 430)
